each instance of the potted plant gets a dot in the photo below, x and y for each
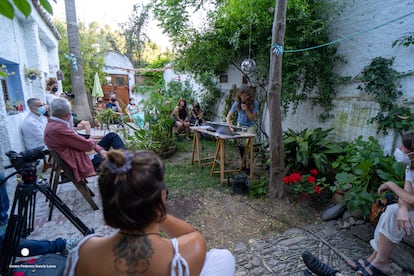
(32, 73)
(157, 135)
(305, 185)
(107, 116)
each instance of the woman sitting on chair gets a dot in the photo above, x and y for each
(196, 115)
(181, 119)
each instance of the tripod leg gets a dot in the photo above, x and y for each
(55, 200)
(31, 205)
(10, 243)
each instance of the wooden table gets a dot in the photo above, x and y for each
(219, 154)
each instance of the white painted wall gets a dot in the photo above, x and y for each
(30, 43)
(118, 64)
(353, 107)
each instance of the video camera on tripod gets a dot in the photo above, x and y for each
(25, 162)
(21, 220)
(22, 159)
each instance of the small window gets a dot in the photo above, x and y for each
(224, 78)
(12, 89)
(108, 80)
(119, 80)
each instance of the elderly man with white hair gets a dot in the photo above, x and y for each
(71, 146)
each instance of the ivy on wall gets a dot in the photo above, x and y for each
(381, 81)
(236, 30)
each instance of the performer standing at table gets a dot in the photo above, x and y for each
(246, 107)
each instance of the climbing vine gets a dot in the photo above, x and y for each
(381, 81)
(239, 29)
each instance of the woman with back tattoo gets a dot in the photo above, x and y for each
(148, 241)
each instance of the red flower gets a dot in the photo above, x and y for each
(317, 189)
(311, 179)
(295, 177)
(314, 172)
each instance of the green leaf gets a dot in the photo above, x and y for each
(23, 6)
(46, 5)
(384, 175)
(345, 177)
(6, 9)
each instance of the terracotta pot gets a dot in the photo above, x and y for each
(170, 152)
(338, 196)
(304, 198)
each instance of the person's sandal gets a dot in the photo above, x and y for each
(355, 264)
(375, 271)
(316, 266)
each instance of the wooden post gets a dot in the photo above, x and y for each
(277, 168)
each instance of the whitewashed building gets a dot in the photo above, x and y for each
(120, 77)
(26, 44)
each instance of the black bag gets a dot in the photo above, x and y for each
(45, 265)
(239, 183)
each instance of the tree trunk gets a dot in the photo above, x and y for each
(80, 102)
(277, 167)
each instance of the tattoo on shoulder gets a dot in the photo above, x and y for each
(132, 255)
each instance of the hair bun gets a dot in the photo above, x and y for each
(119, 162)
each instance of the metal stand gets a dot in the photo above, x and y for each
(21, 220)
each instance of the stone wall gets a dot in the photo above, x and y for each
(353, 107)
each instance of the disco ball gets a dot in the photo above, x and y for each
(248, 65)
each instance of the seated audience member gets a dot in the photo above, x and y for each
(181, 119)
(196, 115)
(71, 146)
(135, 113)
(134, 197)
(78, 123)
(52, 88)
(397, 220)
(41, 247)
(99, 105)
(98, 108)
(33, 126)
(113, 104)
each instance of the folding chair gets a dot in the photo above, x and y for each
(59, 165)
